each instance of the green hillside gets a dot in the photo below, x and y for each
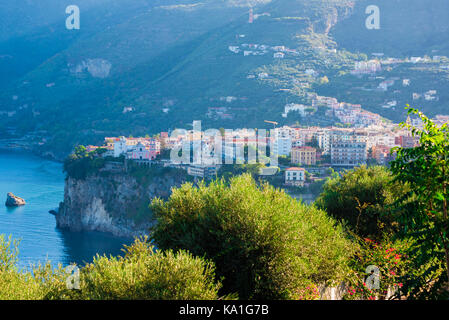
(171, 63)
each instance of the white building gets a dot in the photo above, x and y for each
(234, 49)
(295, 176)
(202, 171)
(300, 108)
(283, 141)
(279, 55)
(282, 146)
(120, 147)
(323, 138)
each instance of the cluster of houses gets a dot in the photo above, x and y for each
(413, 60)
(430, 95)
(347, 113)
(252, 49)
(367, 67)
(338, 147)
(141, 149)
(306, 149)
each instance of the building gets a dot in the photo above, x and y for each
(282, 146)
(202, 171)
(348, 153)
(367, 67)
(135, 148)
(279, 55)
(381, 154)
(143, 152)
(304, 156)
(120, 147)
(294, 107)
(324, 140)
(234, 49)
(407, 141)
(295, 176)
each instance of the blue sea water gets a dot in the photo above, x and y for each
(41, 183)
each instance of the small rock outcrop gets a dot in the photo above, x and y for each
(14, 201)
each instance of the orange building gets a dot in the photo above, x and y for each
(304, 155)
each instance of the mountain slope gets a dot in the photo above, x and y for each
(170, 62)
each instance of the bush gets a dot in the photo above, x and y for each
(43, 283)
(265, 244)
(146, 274)
(393, 265)
(362, 197)
(142, 273)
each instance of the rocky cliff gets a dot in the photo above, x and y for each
(116, 203)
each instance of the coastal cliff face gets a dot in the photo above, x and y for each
(114, 203)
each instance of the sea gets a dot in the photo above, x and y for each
(41, 183)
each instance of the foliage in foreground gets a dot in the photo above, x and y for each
(43, 283)
(425, 218)
(363, 197)
(147, 274)
(264, 243)
(391, 265)
(142, 273)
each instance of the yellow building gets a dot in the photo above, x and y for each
(304, 156)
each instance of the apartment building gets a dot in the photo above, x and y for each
(304, 156)
(295, 176)
(348, 153)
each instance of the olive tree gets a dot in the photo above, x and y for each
(265, 244)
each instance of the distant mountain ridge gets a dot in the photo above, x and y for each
(169, 61)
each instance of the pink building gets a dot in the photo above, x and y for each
(147, 150)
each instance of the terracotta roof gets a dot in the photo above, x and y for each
(295, 169)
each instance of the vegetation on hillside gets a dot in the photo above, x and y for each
(76, 108)
(80, 163)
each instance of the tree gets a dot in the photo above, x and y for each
(81, 163)
(148, 274)
(265, 244)
(424, 216)
(80, 152)
(361, 197)
(324, 80)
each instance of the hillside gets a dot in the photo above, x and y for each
(170, 62)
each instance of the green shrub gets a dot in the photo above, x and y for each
(43, 283)
(362, 197)
(142, 273)
(265, 244)
(146, 274)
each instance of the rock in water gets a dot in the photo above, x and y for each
(13, 201)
